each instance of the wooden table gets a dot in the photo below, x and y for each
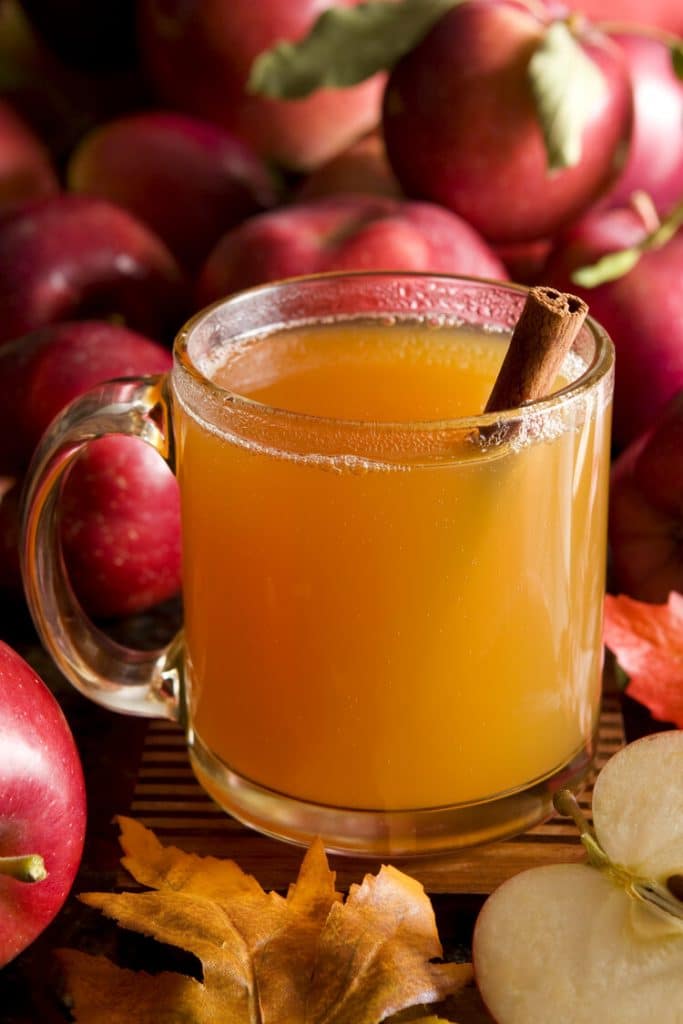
(135, 768)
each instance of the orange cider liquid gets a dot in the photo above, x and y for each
(391, 636)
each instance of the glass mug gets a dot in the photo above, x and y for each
(392, 604)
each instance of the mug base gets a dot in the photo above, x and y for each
(382, 833)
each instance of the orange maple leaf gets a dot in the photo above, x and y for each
(647, 641)
(305, 958)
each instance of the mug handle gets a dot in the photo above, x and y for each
(146, 683)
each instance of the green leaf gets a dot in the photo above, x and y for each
(566, 86)
(607, 268)
(345, 46)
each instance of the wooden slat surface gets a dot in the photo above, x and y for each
(168, 800)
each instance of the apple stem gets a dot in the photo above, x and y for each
(642, 204)
(567, 805)
(24, 868)
(644, 889)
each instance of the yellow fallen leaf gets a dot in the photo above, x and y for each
(305, 958)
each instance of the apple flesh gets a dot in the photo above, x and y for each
(198, 57)
(646, 511)
(345, 232)
(572, 936)
(187, 179)
(461, 129)
(42, 803)
(78, 257)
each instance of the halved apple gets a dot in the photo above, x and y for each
(577, 943)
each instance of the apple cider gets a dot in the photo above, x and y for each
(412, 626)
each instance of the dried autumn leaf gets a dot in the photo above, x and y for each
(307, 958)
(647, 640)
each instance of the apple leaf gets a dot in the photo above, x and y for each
(309, 956)
(345, 46)
(608, 268)
(677, 58)
(566, 85)
(647, 641)
(617, 264)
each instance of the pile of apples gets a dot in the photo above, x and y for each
(142, 177)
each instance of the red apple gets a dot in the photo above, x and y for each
(41, 372)
(363, 167)
(655, 160)
(642, 311)
(345, 232)
(120, 528)
(189, 180)
(77, 257)
(461, 127)
(120, 509)
(199, 54)
(42, 803)
(646, 510)
(26, 168)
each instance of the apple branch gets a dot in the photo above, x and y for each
(24, 868)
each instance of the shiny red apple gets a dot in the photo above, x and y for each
(461, 125)
(187, 179)
(44, 370)
(198, 54)
(345, 232)
(42, 805)
(655, 159)
(120, 528)
(120, 508)
(642, 310)
(77, 257)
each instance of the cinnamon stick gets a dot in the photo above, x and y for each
(543, 335)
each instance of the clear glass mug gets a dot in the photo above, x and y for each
(392, 628)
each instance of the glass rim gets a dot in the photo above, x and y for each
(598, 368)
